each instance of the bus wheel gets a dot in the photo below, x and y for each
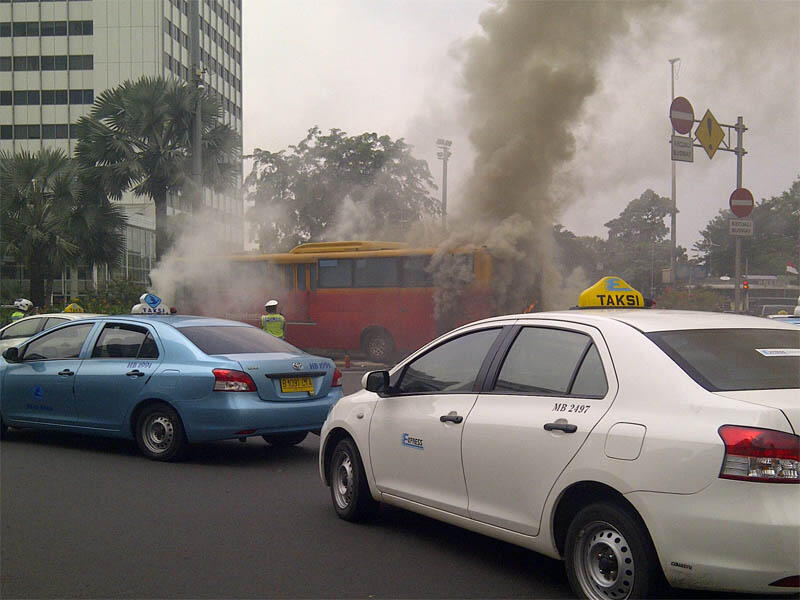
(379, 346)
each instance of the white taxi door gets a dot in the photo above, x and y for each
(540, 402)
(415, 432)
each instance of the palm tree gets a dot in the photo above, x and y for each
(53, 216)
(139, 138)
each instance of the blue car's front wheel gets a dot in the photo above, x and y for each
(160, 434)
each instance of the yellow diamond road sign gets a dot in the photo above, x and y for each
(709, 134)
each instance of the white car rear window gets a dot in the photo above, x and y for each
(735, 359)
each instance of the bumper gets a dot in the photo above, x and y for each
(222, 415)
(733, 536)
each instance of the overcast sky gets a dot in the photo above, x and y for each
(394, 67)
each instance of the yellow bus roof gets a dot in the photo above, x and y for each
(320, 247)
(306, 253)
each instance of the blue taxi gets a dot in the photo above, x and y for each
(166, 381)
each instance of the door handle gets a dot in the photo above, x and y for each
(135, 373)
(565, 427)
(452, 417)
(66, 373)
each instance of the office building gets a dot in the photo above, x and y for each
(57, 56)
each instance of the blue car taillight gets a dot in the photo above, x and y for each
(228, 380)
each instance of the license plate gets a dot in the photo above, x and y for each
(296, 384)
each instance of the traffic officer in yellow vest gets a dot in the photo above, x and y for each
(273, 322)
(22, 305)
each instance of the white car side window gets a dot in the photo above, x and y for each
(451, 367)
(552, 362)
(24, 328)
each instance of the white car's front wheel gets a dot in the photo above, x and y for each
(609, 555)
(349, 488)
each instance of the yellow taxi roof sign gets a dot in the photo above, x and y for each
(611, 292)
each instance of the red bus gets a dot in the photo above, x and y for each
(377, 297)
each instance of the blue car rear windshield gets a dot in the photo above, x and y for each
(230, 339)
(735, 359)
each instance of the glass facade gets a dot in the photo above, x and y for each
(57, 56)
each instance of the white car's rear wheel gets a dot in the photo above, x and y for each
(609, 555)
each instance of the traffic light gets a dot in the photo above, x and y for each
(745, 285)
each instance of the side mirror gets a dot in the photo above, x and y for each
(376, 381)
(11, 354)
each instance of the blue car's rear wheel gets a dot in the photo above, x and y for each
(160, 434)
(285, 439)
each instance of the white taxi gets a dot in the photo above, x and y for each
(628, 442)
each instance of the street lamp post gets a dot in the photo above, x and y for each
(444, 154)
(197, 132)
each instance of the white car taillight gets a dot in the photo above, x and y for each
(765, 455)
(228, 380)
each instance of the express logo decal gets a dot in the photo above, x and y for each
(412, 442)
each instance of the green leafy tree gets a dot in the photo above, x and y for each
(688, 298)
(638, 245)
(53, 215)
(582, 252)
(138, 137)
(303, 193)
(775, 241)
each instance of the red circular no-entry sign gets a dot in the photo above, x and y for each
(741, 202)
(681, 114)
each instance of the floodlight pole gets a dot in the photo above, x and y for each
(444, 154)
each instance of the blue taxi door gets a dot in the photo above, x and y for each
(115, 374)
(41, 387)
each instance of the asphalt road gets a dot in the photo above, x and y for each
(89, 517)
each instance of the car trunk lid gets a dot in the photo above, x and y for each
(285, 377)
(785, 400)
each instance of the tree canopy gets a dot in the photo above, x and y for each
(637, 247)
(138, 137)
(53, 215)
(337, 185)
(775, 241)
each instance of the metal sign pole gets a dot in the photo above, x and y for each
(673, 217)
(737, 281)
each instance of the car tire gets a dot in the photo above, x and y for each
(3, 428)
(609, 555)
(285, 439)
(349, 488)
(379, 347)
(160, 434)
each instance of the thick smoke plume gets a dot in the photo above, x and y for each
(528, 77)
(195, 278)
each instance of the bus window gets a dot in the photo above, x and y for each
(301, 277)
(415, 271)
(335, 273)
(288, 277)
(312, 276)
(376, 272)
